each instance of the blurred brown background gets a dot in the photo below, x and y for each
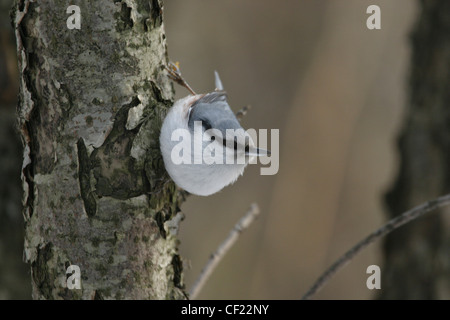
(334, 89)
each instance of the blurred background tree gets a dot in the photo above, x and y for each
(417, 256)
(15, 280)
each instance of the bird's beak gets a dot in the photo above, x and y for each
(257, 152)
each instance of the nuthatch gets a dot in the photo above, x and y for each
(214, 148)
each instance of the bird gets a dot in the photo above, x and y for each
(202, 142)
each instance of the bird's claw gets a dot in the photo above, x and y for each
(174, 74)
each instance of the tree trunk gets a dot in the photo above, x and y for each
(96, 194)
(417, 256)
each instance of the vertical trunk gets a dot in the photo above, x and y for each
(417, 259)
(95, 190)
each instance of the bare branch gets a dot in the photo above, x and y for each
(217, 256)
(393, 224)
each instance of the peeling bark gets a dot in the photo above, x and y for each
(96, 193)
(417, 259)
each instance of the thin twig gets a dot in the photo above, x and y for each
(393, 224)
(217, 256)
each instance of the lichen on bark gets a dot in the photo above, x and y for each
(96, 193)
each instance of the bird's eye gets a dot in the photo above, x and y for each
(206, 125)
